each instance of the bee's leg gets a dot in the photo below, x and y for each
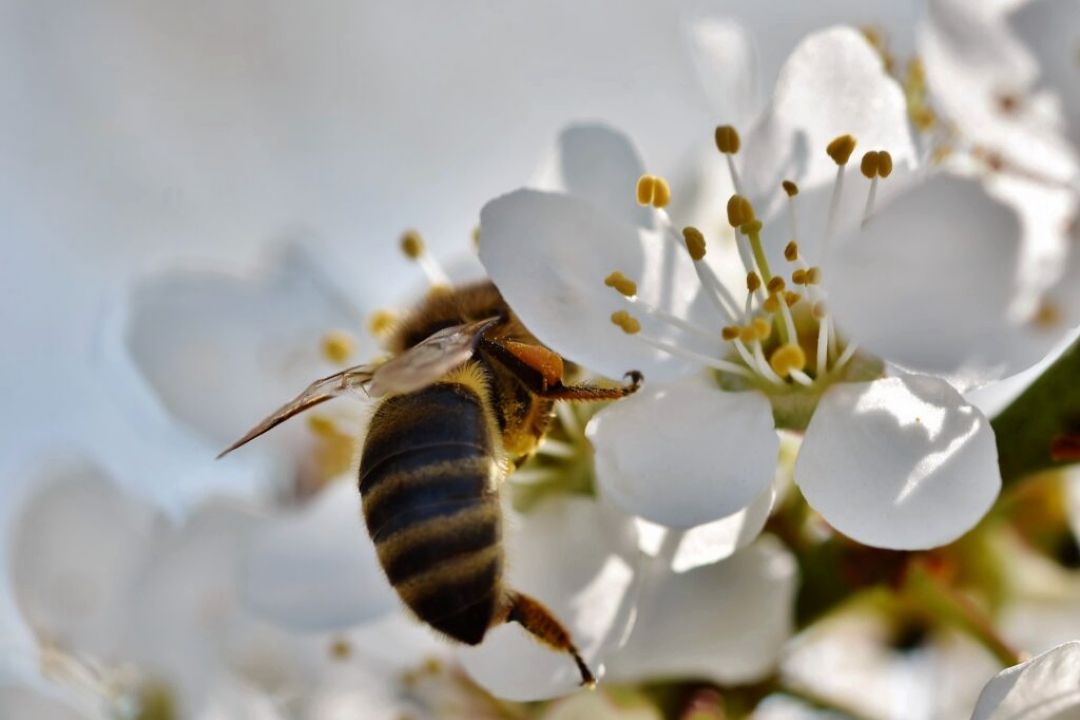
(546, 628)
(540, 370)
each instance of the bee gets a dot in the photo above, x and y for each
(466, 396)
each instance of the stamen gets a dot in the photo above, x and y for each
(628, 289)
(727, 142)
(787, 358)
(875, 164)
(848, 353)
(337, 346)
(716, 290)
(763, 366)
(840, 151)
(791, 251)
(653, 190)
(381, 323)
(721, 365)
(626, 321)
(412, 245)
(791, 189)
(695, 242)
(622, 284)
(799, 277)
(802, 378)
(739, 211)
(730, 332)
(822, 342)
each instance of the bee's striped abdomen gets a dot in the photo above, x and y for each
(427, 477)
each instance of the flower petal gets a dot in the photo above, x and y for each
(76, 546)
(902, 463)
(725, 622)
(1043, 688)
(315, 569)
(549, 255)
(685, 453)
(1052, 32)
(929, 284)
(833, 84)
(18, 701)
(601, 165)
(571, 556)
(220, 351)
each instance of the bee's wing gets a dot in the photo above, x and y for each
(317, 392)
(427, 361)
(420, 365)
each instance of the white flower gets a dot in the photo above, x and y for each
(1047, 687)
(926, 283)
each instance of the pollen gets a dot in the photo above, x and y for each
(727, 139)
(624, 285)
(790, 188)
(753, 281)
(791, 251)
(695, 242)
(626, 321)
(381, 323)
(730, 332)
(412, 244)
(739, 211)
(840, 149)
(337, 346)
(653, 190)
(787, 358)
(762, 328)
(776, 285)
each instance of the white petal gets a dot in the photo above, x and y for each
(598, 705)
(902, 463)
(76, 546)
(23, 702)
(316, 569)
(685, 453)
(222, 351)
(574, 558)
(711, 542)
(599, 164)
(1051, 29)
(725, 622)
(549, 255)
(1043, 688)
(832, 84)
(929, 283)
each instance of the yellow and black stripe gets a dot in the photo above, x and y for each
(428, 478)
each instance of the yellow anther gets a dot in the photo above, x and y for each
(340, 649)
(787, 358)
(381, 322)
(792, 297)
(653, 190)
(762, 328)
(645, 185)
(884, 167)
(840, 149)
(730, 332)
(771, 304)
(322, 426)
(727, 139)
(749, 228)
(799, 277)
(791, 251)
(695, 242)
(753, 281)
(412, 244)
(790, 188)
(626, 321)
(337, 346)
(818, 311)
(748, 334)
(776, 285)
(621, 283)
(739, 211)
(869, 164)
(476, 236)
(813, 276)
(924, 118)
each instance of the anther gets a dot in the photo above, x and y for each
(799, 277)
(753, 282)
(337, 346)
(776, 285)
(771, 304)
(645, 186)
(884, 168)
(791, 298)
(749, 228)
(727, 139)
(813, 275)
(840, 149)
(476, 236)
(791, 251)
(787, 358)
(381, 322)
(748, 334)
(412, 244)
(762, 328)
(321, 426)
(622, 284)
(730, 332)
(695, 242)
(739, 211)
(869, 164)
(653, 190)
(790, 188)
(626, 321)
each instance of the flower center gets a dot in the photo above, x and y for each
(780, 338)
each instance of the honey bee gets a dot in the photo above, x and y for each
(467, 396)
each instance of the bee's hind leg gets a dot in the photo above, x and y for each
(545, 627)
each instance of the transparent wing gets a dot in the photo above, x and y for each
(354, 378)
(427, 361)
(417, 367)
